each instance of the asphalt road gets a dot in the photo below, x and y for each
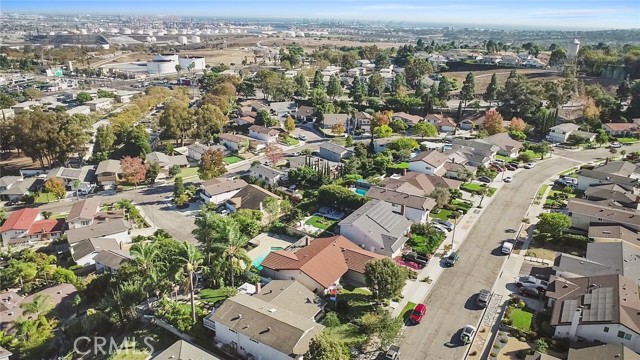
(450, 303)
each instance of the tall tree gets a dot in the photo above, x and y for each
(384, 278)
(493, 122)
(468, 88)
(211, 164)
(234, 251)
(383, 131)
(56, 187)
(318, 82)
(425, 129)
(377, 84)
(325, 347)
(441, 195)
(132, 170)
(104, 142)
(301, 85)
(289, 124)
(209, 120)
(334, 89)
(557, 57)
(189, 264)
(246, 88)
(263, 118)
(415, 70)
(358, 91)
(517, 124)
(177, 120)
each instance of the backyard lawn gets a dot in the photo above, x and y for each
(402, 165)
(504, 158)
(521, 319)
(188, 172)
(321, 222)
(212, 296)
(231, 160)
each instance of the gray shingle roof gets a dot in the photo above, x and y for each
(607, 177)
(267, 172)
(377, 219)
(96, 230)
(182, 350)
(398, 198)
(165, 160)
(112, 258)
(250, 197)
(85, 247)
(108, 166)
(334, 148)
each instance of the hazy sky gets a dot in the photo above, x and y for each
(575, 14)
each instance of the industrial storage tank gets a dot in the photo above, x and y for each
(161, 67)
(198, 62)
(195, 39)
(164, 57)
(574, 47)
(182, 40)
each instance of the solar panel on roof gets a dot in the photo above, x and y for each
(568, 308)
(601, 303)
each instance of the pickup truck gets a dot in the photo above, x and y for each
(414, 257)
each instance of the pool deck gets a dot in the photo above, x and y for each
(265, 242)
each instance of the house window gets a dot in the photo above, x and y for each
(621, 334)
(627, 336)
(254, 341)
(85, 222)
(606, 329)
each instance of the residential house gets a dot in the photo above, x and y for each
(305, 113)
(419, 184)
(329, 120)
(82, 213)
(182, 350)
(473, 122)
(268, 327)
(617, 194)
(22, 187)
(560, 133)
(218, 191)
(410, 120)
(597, 350)
(362, 120)
(622, 129)
(84, 251)
(334, 152)
(110, 261)
(377, 227)
(264, 173)
(41, 230)
(585, 136)
(283, 109)
(84, 176)
(621, 168)
(508, 146)
(380, 144)
(268, 135)
(7, 182)
(25, 106)
(319, 264)
(250, 197)
(18, 224)
(459, 171)
(588, 178)
(125, 96)
(585, 213)
(363, 62)
(82, 109)
(117, 229)
(232, 142)
(602, 258)
(444, 123)
(613, 233)
(107, 172)
(195, 151)
(602, 308)
(166, 161)
(429, 162)
(99, 104)
(414, 207)
(245, 121)
(60, 298)
(5, 354)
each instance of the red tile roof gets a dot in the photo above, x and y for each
(46, 226)
(324, 260)
(20, 220)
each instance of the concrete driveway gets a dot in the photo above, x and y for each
(447, 304)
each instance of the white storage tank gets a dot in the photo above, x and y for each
(198, 62)
(126, 31)
(574, 47)
(161, 67)
(182, 40)
(195, 39)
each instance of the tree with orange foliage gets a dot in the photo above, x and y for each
(517, 124)
(132, 170)
(493, 122)
(380, 118)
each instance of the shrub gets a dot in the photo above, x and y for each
(331, 320)
(541, 345)
(493, 354)
(503, 340)
(496, 346)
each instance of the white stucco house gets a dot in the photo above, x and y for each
(262, 133)
(217, 191)
(429, 162)
(232, 142)
(560, 133)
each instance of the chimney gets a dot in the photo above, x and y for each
(574, 323)
(307, 241)
(258, 287)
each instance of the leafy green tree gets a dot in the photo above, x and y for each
(553, 224)
(624, 91)
(56, 187)
(358, 90)
(325, 347)
(263, 118)
(384, 278)
(246, 88)
(235, 253)
(398, 125)
(334, 89)
(348, 142)
(404, 143)
(383, 326)
(425, 129)
(444, 88)
(301, 85)
(318, 98)
(83, 97)
(377, 84)
(415, 70)
(557, 57)
(542, 148)
(289, 124)
(6, 101)
(399, 84)
(177, 120)
(382, 61)
(468, 88)
(174, 170)
(441, 195)
(318, 81)
(383, 131)
(209, 119)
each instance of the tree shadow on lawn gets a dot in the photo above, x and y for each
(354, 305)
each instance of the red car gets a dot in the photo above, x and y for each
(418, 313)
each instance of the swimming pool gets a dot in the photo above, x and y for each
(257, 262)
(361, 191)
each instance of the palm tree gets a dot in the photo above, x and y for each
(235, 252)
(145, 260)
(41, 305)
(190, 262)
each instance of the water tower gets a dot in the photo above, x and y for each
(572, 51)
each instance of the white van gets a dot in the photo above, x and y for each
(507, 247)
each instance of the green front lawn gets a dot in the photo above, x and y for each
(471, 187)
(443, 214)
(321, 222)
(231, 160)
(188, 172)
(504, 158)
(542, 190)
(44, 198)
(406, 311)
(533, 155)
(402, 165)
(348, 333)
(627, 140)
(521, 319)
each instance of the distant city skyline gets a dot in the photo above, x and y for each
(540, 14)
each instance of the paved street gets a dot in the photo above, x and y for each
(450, 303)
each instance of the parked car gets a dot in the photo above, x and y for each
(393, 353)
(507, 247)
(302, 137)
(531, 281)
(484, 179)
(499, 162)
(467, 333)
(447, 225)
(296, 154)
(414, 257)
(439, 227)
(529, 165)
(483, 297)
(512, 167)
(452, 259)
(497, 168)
(417, 314)
(507, 179)
(531, 292)
(615, 145)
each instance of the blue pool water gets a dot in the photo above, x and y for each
(361, 191)
(257, 262)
